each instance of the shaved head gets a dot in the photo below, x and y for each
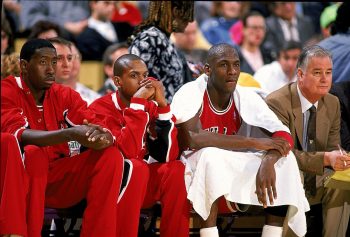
(218, 50)
(123, 62)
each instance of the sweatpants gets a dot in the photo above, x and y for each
(13, 188)
(149, 184)
(93, 175)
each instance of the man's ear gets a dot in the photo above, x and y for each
(117, 81)
(207, 69)
(23, 64)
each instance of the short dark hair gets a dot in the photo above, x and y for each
(29, 48)
(123, 61)
(249, 14)
(106, 59)
(342, 21)
(218, 49)
(43, 26)
(289, 45)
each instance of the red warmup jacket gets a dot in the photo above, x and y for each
(62, 108)
(141, 129)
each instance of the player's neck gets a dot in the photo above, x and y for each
(219, 100)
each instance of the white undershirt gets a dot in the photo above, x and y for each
(105, 29)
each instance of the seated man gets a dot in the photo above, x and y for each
(211, 112)
(313, 117)
(141, 121)
(56, 130)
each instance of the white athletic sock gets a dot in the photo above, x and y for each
(272, 231)
(209, 232)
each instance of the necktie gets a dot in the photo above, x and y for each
(310, 179)
(290, 28)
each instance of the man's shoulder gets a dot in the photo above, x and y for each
(283, 91)
(330, 100)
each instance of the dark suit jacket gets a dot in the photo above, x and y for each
(92, 45)
(274, 38)
(245, 67)
(342, 91)
(285, 102)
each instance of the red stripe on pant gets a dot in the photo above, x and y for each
(94, 175)
(165, 184)
(13, 188)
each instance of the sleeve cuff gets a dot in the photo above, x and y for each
(164, 113)
(138, 103)
(284, 135)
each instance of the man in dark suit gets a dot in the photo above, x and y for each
(101, 32)
(284, 25)
(313, 117)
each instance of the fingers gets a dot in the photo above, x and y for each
(282, 146)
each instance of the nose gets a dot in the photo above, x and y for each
(232, 70)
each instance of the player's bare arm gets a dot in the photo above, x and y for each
(197, 138)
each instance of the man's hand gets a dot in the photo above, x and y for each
(266, 178)
(76, 27)
(146, 90)
(337, 160)
(275, 143)
(92, 136)
(159, 94)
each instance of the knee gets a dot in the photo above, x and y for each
(36, 161)
(112, 157)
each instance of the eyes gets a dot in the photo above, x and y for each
(135, 75)
(46, 62)
(226, 64)
(319, 73)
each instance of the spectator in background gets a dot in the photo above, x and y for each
(101, 32)
(68, 68)
(127, 12)
(44, 30)
(151, 41)
(339, 44)
(285, 25)
(10, 65)
(327, 19)
(342, 91)
(282, 71)
(225, 15)
(185, 43)
(11, 9)
(112, 53)
(71, 16)
(6, 36)
(252, 55)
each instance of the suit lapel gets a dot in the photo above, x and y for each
(298, 116)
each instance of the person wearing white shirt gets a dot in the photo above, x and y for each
(281, 72)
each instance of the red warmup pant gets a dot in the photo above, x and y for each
(150, 183)
(94, 175)
(13, 188)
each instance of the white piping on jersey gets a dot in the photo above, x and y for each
(65, 116)
(19, 82)
(218, 112)
(115, 101)
(19, 149)
(129, 177)
(170, 140)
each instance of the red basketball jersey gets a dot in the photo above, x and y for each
(227, 121)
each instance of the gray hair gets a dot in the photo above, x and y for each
(312, 51)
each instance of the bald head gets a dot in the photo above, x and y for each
(124, 62)
(218, 51)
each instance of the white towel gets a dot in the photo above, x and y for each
(213, 172)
